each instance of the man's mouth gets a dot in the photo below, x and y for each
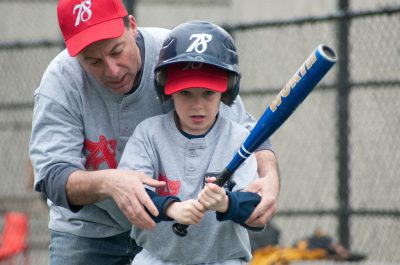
(115, 81)
(117, 84)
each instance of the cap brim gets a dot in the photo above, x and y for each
(215, 84)
(106, 30)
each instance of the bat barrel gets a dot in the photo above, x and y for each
(327, 52)
(289, 98)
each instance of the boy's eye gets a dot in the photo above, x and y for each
(209, 92)
(185, 92)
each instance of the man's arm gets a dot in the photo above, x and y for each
(124, 186)
(267, 186)
(60, 167)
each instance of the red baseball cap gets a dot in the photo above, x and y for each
(83, 22)
(180, 77)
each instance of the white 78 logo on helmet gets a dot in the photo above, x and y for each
(200, 42)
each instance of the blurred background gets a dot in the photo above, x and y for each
(337, 153)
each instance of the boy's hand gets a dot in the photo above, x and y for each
(213, 197)
(186, 212)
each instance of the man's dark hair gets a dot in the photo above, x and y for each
(126, 21)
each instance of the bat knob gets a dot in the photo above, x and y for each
(180, 229)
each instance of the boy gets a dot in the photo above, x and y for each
(184, 144)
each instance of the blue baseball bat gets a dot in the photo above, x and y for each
(285, 103)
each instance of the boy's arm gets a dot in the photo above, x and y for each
(240, 206)
(186, 212)
(162, 203)
(172, 208)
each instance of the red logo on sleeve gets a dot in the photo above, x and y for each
(171, 189)
(101, 151)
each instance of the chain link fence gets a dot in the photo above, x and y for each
(337, 152)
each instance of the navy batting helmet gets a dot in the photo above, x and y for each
(200, 42)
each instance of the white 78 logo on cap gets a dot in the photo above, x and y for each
(200, 42)
(84, 12)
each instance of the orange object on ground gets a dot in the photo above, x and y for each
(316, 247)
(275, 255)
(13, 239)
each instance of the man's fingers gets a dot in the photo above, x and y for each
(139, 217)
(258, 211)
(139, 201)
(145, 200)
(261, 221)
(152, 182)
(252, 187)
(262, 214)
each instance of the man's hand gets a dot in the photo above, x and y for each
(125, 187)
(127, 190)
(267, 186)
(267, 207)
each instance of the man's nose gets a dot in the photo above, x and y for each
(111, 68)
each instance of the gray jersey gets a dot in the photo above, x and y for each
(158, 149)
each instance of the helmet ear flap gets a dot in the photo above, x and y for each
(233, 89)
(159, 83)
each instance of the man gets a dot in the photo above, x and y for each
(89, 101)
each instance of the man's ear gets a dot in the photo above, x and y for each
(132, 22)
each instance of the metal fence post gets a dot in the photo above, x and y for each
(343, 126)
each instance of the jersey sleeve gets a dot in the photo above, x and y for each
(55, 148)
(241, 205)
(139, 153)
(161, 203)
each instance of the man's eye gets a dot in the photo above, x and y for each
(93, 61)
(116, 52)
